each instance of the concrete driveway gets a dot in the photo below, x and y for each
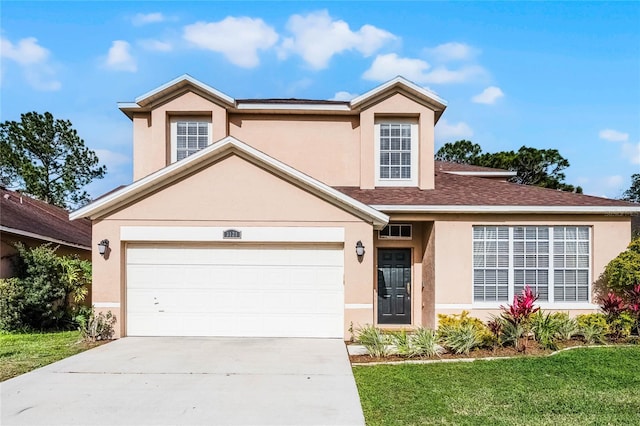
(188, 381)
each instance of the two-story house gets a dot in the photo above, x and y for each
(289, 217)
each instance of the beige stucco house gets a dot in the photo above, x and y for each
(288, 217)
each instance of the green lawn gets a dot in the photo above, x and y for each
(24, 352)
(587, 386)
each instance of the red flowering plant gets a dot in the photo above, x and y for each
(516, 317)
(612, 305)
(633, 305)
(521, 308)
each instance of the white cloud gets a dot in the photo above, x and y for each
(388, 66)
(155, 45)
(33, 60)
(632, 152)
(445, 131)
(488, 96)
(343, 96)
(238, 39)
(613, 135)
(112, 159)
(613, 181)
(147, 18)
(119, 57)
(452, 51)
(317, 38)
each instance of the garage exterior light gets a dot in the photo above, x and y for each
(103, 246)
(359, 248)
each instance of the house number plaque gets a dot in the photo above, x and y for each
(232, 234)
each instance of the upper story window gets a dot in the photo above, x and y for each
(188, 136)
(396, 153)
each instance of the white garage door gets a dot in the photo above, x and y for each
(265, 290)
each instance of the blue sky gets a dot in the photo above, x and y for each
(548, 75)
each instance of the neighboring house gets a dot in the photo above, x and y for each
(33, 222)
(287, 217)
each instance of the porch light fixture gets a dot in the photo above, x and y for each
(359, 249)
(103, 246)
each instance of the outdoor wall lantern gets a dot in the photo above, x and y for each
(103, 246)
(359, 249)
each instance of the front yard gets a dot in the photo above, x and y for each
(576, 387)
(23, 352)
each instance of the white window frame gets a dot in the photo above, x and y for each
(413, 180)
(174, 131)
(550, 303)
(399, 225)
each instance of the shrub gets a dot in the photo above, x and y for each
(11, 304)
(516, 317)
(403, 344)
(567, 326)
(512, 334)
(450, 323)
(624, 270)
(633, 306)
(46, 291)
(495, 326)
(425, 343)
(376, 343)
(593, 327)
(521, 308)
(463, 338)
(97, 327)
(545, 329)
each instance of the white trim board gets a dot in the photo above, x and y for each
(612, 211)
(249, 234)
(561, 306)
(230, 144)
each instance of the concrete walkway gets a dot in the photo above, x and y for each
(189, 381)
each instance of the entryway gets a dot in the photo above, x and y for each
(394, 286)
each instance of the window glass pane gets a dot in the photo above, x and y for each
(395, 172)
(406, 172)
(405, 231)
(583, 233)
(384, 173)
(406, 159)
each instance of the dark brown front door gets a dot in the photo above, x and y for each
(394, 286)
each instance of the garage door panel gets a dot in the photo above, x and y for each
(239, 291)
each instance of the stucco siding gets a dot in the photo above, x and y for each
(325, 148)
(454, 254)
(231, 193)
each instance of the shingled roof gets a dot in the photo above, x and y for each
(456, 190)
(23, 215)
(447, 166)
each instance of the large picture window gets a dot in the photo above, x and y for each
(553, 261)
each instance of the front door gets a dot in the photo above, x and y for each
(394, 286)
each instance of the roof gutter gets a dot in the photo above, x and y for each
(603, 210)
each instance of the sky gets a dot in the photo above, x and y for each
(560, 75)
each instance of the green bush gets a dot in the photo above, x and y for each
(374, 340)
(624, 271)
(46, 292)
(425, 343)
(567, 326)
(463, 338)
(545, 329)
(593, 327)
(97, 327)
(621, 325)
(451, 323)
(11, 304)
